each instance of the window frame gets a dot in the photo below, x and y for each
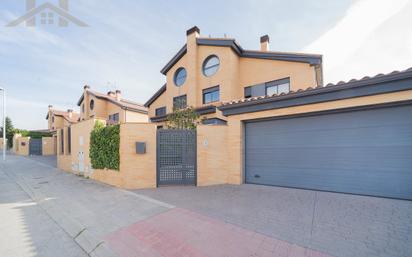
(91, 104)
(276, 83)
(180, 107)
(176, 74)
(207, 59)
(160, 109)
(69, 137)
(112, 117)
(210, 90)
(62, 141)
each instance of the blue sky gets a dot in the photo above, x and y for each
(128, 42)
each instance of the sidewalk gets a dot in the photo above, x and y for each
(106, 221)
(85, 209)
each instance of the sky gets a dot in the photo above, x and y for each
(127, 43)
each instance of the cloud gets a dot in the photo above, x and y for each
(366, 41)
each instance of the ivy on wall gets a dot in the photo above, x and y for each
(104, 146)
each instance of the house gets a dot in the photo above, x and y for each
(267, 119)
(56, 120)
(208, 71)
(73, 141)
(111, 107)
(276, 124)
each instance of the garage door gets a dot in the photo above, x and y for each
(361, 152)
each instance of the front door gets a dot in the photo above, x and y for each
(176, 157)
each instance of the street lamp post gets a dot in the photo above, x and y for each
(4, 123)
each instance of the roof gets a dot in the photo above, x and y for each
(312, 59)
(123, 103)
(155, 96)
(73, 119)
(381, 83)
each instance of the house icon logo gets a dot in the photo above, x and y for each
(47, 14)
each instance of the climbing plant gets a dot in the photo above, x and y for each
(104, 146)
(186, 118)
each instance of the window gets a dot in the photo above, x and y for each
(277, 87)
(69, 138)
(180, 76)
(248, 92)
(160, 111)
(114, 117)
(179, 102)
(91, 104)
(53, 118)
(62, 141)
(211, 95)
(211, 65)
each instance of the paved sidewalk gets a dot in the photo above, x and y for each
(106, 221)
(338, 224)
(26, 229)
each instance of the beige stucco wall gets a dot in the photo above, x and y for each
(136, 170)
(1, 143)
(135, 117)
(64, 159)
(81, 144)
(234, 74)
(21, 145)
(48, 147)
(235, 152)
(212, 155)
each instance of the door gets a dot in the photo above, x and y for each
(365, 152)
(81, 154)
(35, 146)
(176, 157)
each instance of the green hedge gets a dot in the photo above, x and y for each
(104, 147)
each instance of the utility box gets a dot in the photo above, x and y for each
(140, 147)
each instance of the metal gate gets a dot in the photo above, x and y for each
(176, 157)
(35, 146)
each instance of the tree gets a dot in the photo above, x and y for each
(9, 132)
(186, 118)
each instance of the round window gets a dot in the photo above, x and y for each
(211, 65)
(91, 104)
(180, 76)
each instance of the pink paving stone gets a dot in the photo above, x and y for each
(183, 233)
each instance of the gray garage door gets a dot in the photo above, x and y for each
(362, 152)
(35, 146)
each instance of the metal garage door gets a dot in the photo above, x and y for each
(35, 146)
(362, 152)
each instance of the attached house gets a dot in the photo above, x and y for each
(276, 124)
(208, 71)
(266, 119)
(57, 119)
(110, 108)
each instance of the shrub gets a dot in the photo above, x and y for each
(104, 146)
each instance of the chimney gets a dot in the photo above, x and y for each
(111, 94)
(50, 107)
(86, 87)
(70, 112)
(118, 95)
(192, 30)
(264, 43)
